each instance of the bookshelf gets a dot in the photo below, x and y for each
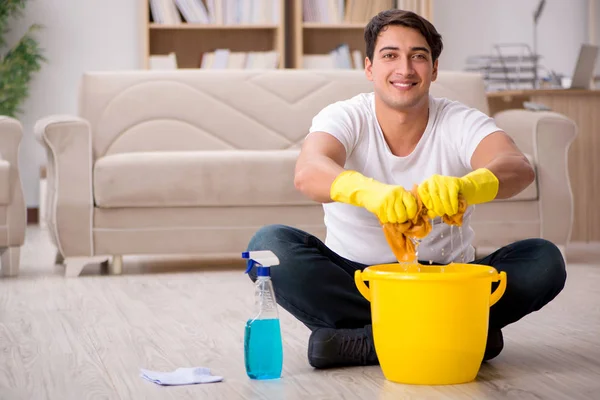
(330, 33)
(252, 30)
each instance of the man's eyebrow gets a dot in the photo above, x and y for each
(388, 48)
(425, 49)
(418, 48)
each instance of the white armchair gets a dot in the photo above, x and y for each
(546, 138)
(13, 215)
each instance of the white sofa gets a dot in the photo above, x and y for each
(13, 212)
(194, 162)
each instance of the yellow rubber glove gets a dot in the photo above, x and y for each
(390, 203)
(440, 193)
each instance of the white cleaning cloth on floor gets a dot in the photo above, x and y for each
(181, 376)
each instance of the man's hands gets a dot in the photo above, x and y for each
(390, 203)
(440, 193)
(393, 204)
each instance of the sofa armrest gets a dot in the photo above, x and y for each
(11, 134)
(68, 143)
(549, 136)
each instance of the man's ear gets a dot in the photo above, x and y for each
(368, 67)
(435, 70)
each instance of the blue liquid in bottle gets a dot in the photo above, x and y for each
(262, 349)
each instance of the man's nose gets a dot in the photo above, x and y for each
(404, 66)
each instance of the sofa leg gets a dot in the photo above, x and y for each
(74, 266)
(59, 259)
(116, 267)
(10, 260)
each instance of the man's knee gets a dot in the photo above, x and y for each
(273, 237)
(549, 274)
(280, 239)
(556, 268)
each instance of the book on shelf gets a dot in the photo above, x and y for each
(218, 12)
(227, 59)
(164, 12)
(163, 62)
(339, 58)
(354, 11)
(221, 59)
(194, 11)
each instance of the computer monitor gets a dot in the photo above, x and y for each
(584, 69)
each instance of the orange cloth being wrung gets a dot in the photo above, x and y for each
(399, 236)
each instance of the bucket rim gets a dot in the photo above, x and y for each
(477, 271)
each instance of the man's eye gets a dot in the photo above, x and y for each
(388, 55)
(421, 56)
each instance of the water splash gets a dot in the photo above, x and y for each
(441, 237)
(416, 242)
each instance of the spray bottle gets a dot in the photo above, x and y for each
(263, 347)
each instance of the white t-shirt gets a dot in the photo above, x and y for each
(452, 134)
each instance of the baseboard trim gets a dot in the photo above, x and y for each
(33, 215)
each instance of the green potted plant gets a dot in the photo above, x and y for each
(17, 63)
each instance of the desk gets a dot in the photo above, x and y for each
(583, 107)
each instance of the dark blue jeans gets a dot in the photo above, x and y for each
(317, 286)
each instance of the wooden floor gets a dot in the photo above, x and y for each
(88, 337)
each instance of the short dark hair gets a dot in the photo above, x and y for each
(404, 18)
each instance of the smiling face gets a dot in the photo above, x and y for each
(401, 68)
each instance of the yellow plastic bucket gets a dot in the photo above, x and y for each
(430, 323)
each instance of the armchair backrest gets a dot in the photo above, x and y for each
(184, 110)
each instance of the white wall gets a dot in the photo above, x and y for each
(85, 35)
(79, 35)
(471, 27)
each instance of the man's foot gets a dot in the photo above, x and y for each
(328, 347)
(495, 344)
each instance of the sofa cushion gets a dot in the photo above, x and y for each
(204, 178)
(197, 178)
(4, 182)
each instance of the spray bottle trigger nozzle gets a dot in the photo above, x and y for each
(261, 258)
(250, 264)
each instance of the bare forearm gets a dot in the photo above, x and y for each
(314, 177)
(514, 172)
